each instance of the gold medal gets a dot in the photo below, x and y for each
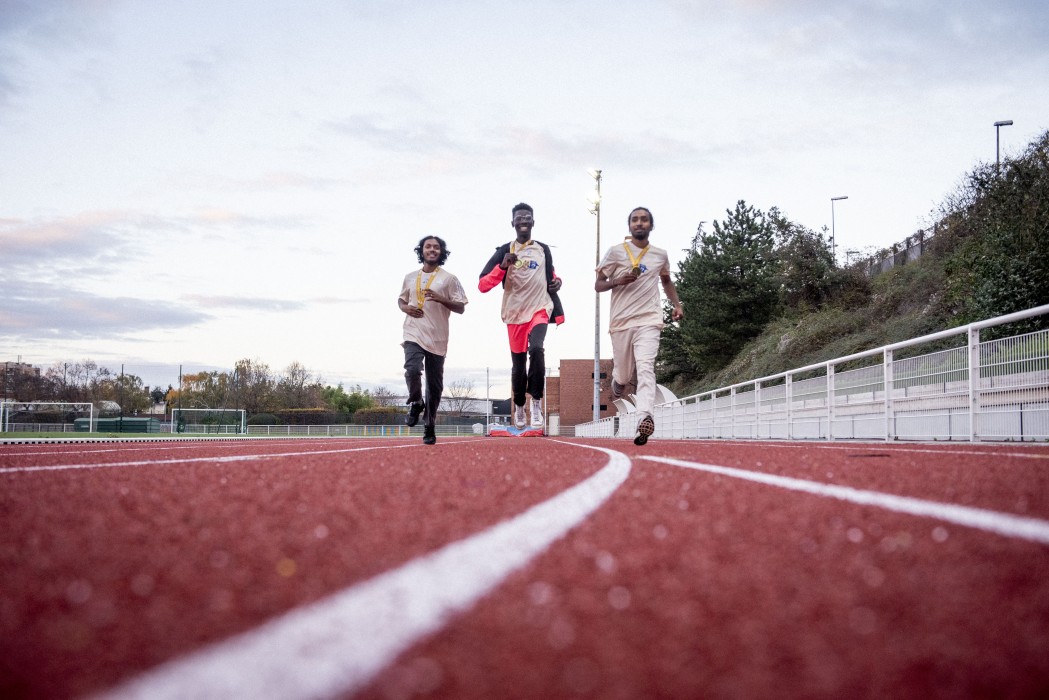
(420, 292)
(519, 263)
(635, 270)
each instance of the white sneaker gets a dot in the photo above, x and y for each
(537, 413)
(520, 419)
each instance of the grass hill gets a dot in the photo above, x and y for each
(990, 256)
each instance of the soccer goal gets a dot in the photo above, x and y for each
(46, 416)
(218, 421)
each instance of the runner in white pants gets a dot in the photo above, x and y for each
(634, 271)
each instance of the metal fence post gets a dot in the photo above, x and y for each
(887, 378)
(830, 401)
(974, 381)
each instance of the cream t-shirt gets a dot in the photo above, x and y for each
(430, 331)
(525, 291)
(640, 303)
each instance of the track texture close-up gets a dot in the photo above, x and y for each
(512, 568)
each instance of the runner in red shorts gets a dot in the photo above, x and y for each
(525, 268)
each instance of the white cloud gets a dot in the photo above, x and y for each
(217, 181)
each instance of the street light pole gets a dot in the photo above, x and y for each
(595, 199)
(833, 251)
(997, 142)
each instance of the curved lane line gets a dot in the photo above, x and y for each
(989, 520)
(337, 645)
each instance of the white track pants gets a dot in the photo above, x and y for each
(634, 353)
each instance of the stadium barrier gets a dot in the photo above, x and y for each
(362, 430)
(994, 390)
(126, 424)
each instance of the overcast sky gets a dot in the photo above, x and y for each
(198, 182)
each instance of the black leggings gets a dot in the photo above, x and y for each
(529, 380)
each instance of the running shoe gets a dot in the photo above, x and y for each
(537, 413)
(429, 435)
(520, 419)
(414, 411)
(646, 427)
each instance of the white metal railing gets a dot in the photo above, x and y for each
(359, 430)
(194, 430)
(991, 390)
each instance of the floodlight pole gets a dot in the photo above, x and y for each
(596, 211)
(833, 250)
(997, 142)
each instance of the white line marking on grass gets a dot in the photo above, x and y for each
(337, 645)
(992, 521)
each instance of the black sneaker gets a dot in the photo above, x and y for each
(646, 427)
(414, 411)
(429, 436)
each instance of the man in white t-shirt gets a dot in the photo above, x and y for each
(428, 296)
(634, 270)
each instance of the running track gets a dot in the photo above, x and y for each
(523, 568)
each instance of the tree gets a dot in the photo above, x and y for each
(460, 396)
(297, 388)
(383, 396)
(128, 391)
(806, 271)
(728, 287)
(996, 226)
(203, 390)
(252, 386)
(339, 401)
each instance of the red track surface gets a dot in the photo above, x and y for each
(684, 583)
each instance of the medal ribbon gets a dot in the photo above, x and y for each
(419, 291)
(635, 263)
(520, 263)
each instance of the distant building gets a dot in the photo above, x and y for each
(13, 375)
(570, 396)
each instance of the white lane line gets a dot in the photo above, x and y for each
(335, 646)
(992, 521)
(85, 450)
(890, 447)
(190, 460)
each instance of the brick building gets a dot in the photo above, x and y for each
(570, 396)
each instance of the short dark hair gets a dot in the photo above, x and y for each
(440, 241)
(520, 207)
(645, 209)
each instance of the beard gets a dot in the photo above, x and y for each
(641, 235)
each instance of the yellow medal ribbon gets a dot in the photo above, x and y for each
(419, 291)
(520, 263)
(634, 262)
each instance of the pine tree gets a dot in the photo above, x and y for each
(728, 287)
